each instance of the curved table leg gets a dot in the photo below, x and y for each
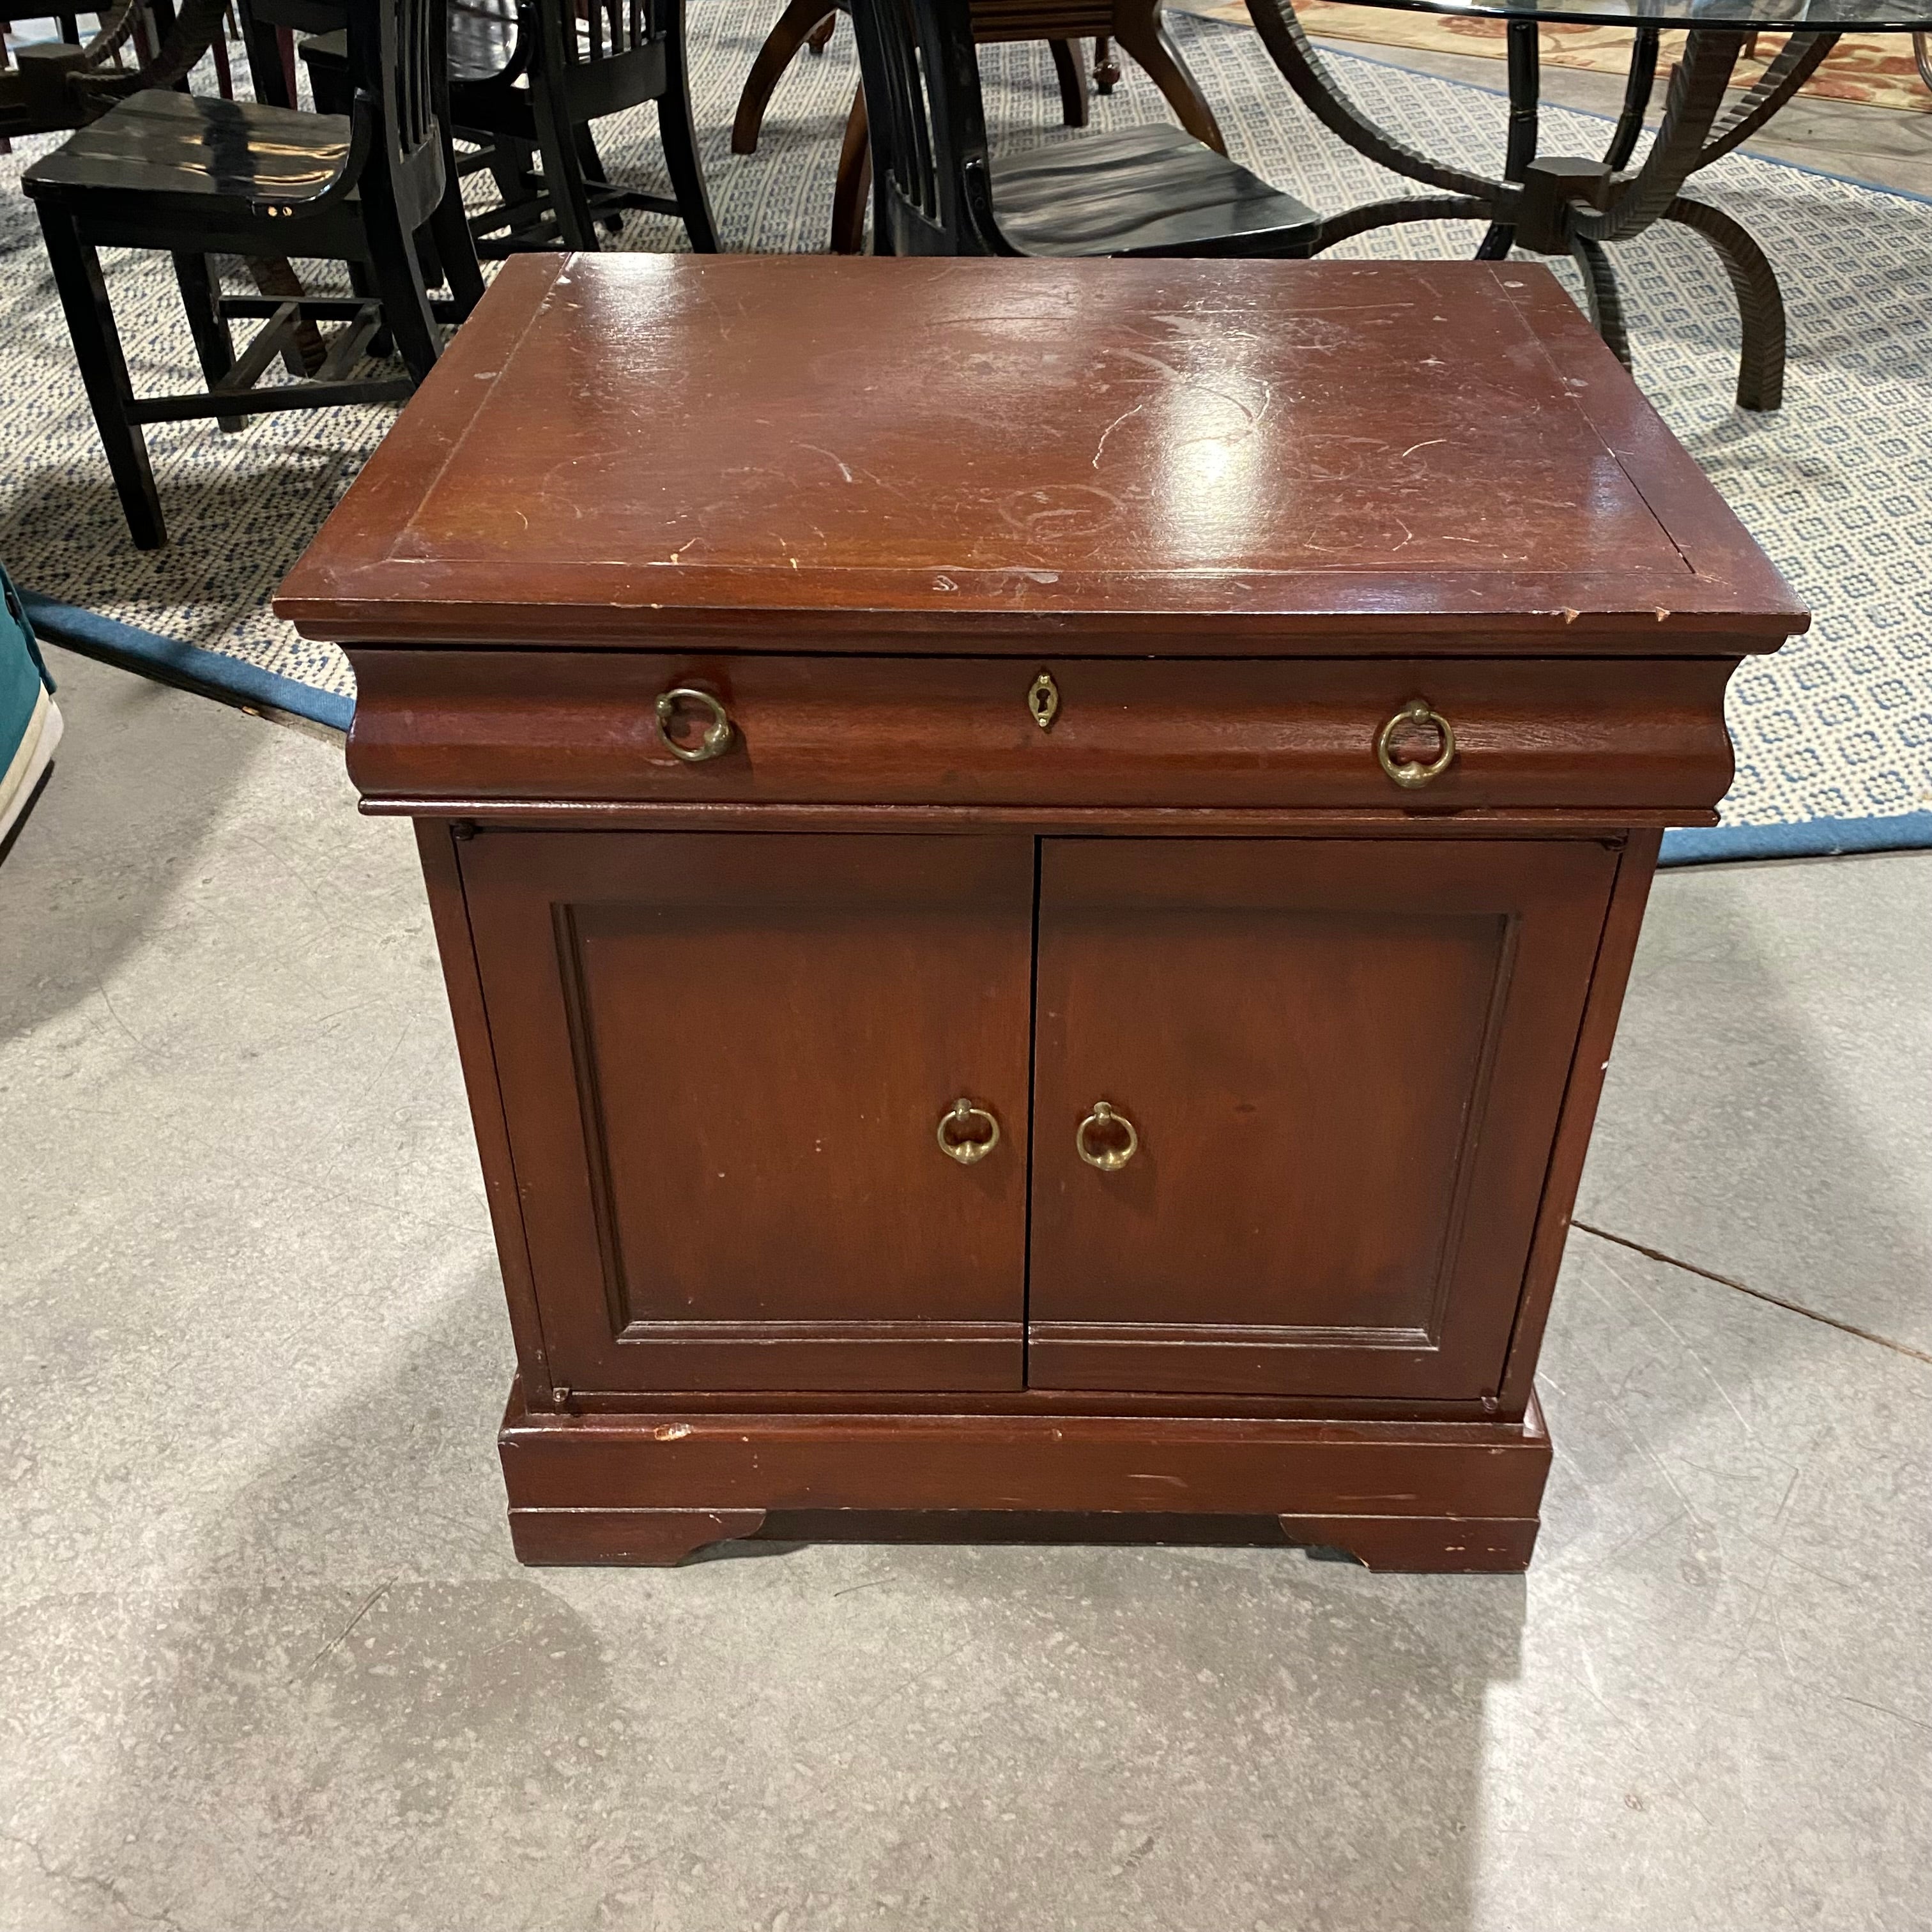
(1797, 60)
(796, 25)
(1137, 27)
(1576, 207)
(1303, 68)
(1403, 209)
(1760, 303)
(1600, 292)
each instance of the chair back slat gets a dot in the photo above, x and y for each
(397, 53)
(927, 125)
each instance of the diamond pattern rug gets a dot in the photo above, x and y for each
(1833, 734)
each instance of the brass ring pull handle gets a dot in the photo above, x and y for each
(1109, 1159)
(717, 739)
(956, 1139)
(1417, 711)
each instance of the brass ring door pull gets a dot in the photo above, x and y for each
(1109, 1159)
(717, 739)
(1417, 711)
(956, 1136)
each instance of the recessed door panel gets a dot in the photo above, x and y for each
(1293, 1103)
(727, 1060)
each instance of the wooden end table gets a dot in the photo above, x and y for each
(1035, 862)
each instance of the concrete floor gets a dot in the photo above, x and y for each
(266, 1662)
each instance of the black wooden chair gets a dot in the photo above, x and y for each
(195, 177)
(1150, 190)
(527, 79)
(574, 62)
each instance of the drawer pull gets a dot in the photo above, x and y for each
(717, 739)
(1043, 700)
(1110, 1155)
(1417, 711)
(955, 1135)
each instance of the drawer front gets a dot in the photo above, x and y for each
(484, 726)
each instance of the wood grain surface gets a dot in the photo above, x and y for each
(631, 449)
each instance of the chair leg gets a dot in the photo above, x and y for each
(103, 370)
(1106, 69)
(397, 271)
(562, 172)
(455, 247)
(224, 76)
(855, 181)
(1137, 26)
(819, 38)
(1072, 83)
(264, 61)
(796, 25)
(679, 135)
(209, 326)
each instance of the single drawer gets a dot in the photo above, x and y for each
(488, 726)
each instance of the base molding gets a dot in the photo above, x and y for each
(655, 1488)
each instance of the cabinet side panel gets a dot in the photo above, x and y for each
(1593, 1043)
(450, 916)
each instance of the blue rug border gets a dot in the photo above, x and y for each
(209, 673)
(216, 674)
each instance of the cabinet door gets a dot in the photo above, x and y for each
(724, 1060)
(1344, 1062)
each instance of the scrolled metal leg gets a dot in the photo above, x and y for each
(1406, 208)
(1600, 293)
(1760, 303)
(1304, 70)
(1691, 110)
(1796, 61)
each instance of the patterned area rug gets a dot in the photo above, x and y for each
(1834, 733)
(1874, 70)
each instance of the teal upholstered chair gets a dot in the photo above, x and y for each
(30, 722)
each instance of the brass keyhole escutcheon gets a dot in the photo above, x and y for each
(716, 740)
(967, 1133)
(1106, 1139)
(1417, 711)
(1043, 700)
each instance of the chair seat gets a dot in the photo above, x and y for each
(161, 143)
(482, 41)
(1151, 190)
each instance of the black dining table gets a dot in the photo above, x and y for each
(1579, 206)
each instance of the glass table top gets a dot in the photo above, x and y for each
(1852, 17)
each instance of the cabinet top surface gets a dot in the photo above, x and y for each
(810, 452)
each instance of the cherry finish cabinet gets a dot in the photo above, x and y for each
(1035, 864)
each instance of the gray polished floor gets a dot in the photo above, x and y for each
(266, 1661)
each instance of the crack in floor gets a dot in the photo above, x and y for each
(1757, 1294)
